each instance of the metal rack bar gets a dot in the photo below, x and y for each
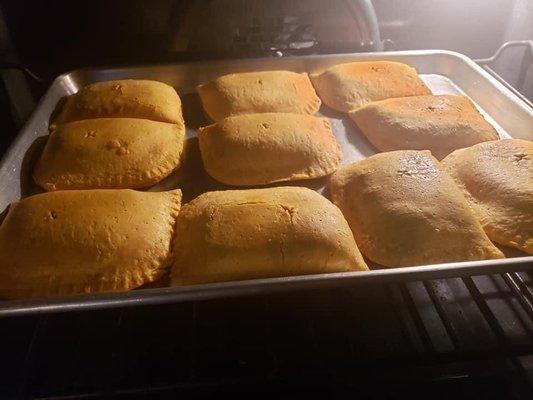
(409, 330)
(513, 306)
(526, 303)
(508, 347)
(525, 64)
(452, 334)
(261, 286)
(419, 324)
(524, 287)
(496, 328)
(364, 13)
(485, 310)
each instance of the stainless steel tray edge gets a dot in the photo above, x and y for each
(262, 286)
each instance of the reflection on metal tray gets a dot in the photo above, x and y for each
(444, 72)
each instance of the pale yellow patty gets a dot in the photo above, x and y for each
(84, 241)
(497, 179)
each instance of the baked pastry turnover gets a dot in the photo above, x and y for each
(260, 233)
(109, 153)
(129, 98)
(404, 210)
(256, 149)
(84, 241)
(345, 87)
(497, 179)
(441, 124)
(259, 92)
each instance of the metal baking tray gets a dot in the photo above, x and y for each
(444, 72)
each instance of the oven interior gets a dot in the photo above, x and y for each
(460, 337)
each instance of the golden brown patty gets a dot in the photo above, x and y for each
(260, 233)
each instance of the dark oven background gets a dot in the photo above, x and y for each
(462, 337)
